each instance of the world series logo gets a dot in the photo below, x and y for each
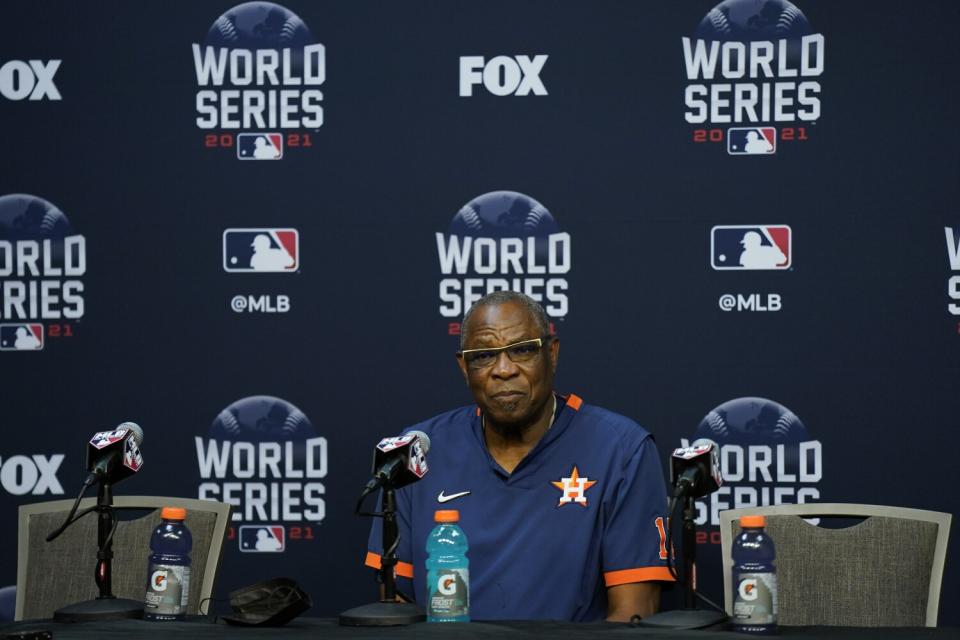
(42, 262)
(767, 457)
(952, 236)
(752, 71)
(263, 456)
(259, 72)
(503, 240)
(953, 258)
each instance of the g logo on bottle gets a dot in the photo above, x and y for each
(447, 585)
(748, 589)
(159, 580)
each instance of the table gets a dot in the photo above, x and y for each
(328, 629)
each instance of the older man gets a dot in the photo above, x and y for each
(562, 502)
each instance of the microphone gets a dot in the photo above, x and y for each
(695, 470)
(399, 461)
(114, 455)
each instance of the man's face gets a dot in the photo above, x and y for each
(509, 393)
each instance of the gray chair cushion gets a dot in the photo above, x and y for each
(875, 573)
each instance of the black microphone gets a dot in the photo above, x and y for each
(399, 461)
(695, 470)
(114, 455)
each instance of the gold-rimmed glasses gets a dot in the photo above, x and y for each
(523, 351)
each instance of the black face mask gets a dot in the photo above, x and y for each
(271, 603)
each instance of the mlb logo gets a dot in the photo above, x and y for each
(265, 538)
(21, 337)
(751, 247)
(751, 141)
(262, 250)
(259, 146)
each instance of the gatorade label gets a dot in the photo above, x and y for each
(168, 590)
(449, 595)
(755, 602)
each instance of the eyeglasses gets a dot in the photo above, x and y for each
(525, 351)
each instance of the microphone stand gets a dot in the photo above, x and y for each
(690, 617)
(391, 540)
(106, 606)
(389, 611)
(688, 537)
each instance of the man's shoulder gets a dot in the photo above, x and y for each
(611, 426)
(446, 423)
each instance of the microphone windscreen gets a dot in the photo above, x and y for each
(424, 440)
(137, 431)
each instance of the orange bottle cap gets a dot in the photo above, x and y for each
(753, 522)
(173, 513)
(447, 515)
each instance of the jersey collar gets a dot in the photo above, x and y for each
(568, 407)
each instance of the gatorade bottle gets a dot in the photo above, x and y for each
(448, 573)
(168, 572)
(754, 579)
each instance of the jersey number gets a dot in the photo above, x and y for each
(663, 537)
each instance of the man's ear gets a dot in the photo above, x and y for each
(463, 368)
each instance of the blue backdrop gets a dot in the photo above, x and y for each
(252, 229)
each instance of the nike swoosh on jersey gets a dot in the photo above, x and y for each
(443, 498)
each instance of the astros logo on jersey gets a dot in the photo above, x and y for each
(574, 488)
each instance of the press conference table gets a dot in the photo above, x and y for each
(328, 629)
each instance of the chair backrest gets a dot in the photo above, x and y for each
(51, 575)
(883, 571)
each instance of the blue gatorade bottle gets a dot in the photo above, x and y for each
(168, 572)
(754, 579)
(448, 572)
